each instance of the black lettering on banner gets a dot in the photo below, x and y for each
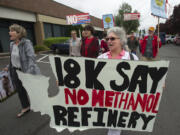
(100, 117)
(140, 71)
(156, 76)
(59, 71)
(59, 113)
(120, 66)
(85, 115)
(146, 120)
(92, 74)
(121, 122)
(133, 119)
(112, 118)
(72, 116)
(73, 69)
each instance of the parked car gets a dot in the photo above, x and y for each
(170, 39)
(177, 40)
(61, 48)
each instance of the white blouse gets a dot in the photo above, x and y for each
(15, 58)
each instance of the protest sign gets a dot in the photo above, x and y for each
(108, 21)
(99, 93)
(131, 16)
(6, 87)
(158, 8)
(83, 18)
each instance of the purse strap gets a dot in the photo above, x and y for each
(131, 56)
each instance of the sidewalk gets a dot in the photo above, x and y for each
(6, 55)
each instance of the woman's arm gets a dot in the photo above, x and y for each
(29, 51)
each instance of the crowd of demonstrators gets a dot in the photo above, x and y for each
(75, 45)
(133, 43)
(116, 39)
(112, 45)
(90, 45)
(149, 46)
(22, 58)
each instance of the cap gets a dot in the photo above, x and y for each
(151, 29)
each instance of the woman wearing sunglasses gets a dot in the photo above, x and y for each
(116, 39)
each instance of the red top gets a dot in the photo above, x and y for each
(90, 47)
(154, 44)
(87, 43)
(104, 45)
(118, 57)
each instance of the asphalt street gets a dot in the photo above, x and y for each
(167, 121)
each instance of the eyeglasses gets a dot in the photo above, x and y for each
(111, 38)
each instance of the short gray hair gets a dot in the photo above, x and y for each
(120, 32)
(19, 29)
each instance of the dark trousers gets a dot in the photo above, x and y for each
(20, 89)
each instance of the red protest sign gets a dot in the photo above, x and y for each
(78, 19)
(131, 16)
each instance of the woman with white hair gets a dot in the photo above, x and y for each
(116, 40)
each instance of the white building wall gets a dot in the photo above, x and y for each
(14, 14)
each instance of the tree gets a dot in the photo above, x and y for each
(127, 25)
(176, 19)
(172, 25)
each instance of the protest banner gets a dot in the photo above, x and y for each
(6, 87)
(99, 93)
(108, 21)
(131, 16)
(78, 19)
(158, 8)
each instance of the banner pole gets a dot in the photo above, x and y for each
(158, 36)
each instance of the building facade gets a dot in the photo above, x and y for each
(41, 18)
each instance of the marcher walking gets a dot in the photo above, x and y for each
(133, 43)
(116, 40)
(22, 59)
(75, 45)
(90, 46)
(149, 46)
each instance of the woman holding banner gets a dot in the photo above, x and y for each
(90, 46)
(22, 58)
(116, 39)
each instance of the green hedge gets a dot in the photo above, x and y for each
(39, 48)
(54, 40)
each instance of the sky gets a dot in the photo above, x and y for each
(98, 8)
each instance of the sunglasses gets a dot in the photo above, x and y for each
(111, 38)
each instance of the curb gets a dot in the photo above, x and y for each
(46, 52)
